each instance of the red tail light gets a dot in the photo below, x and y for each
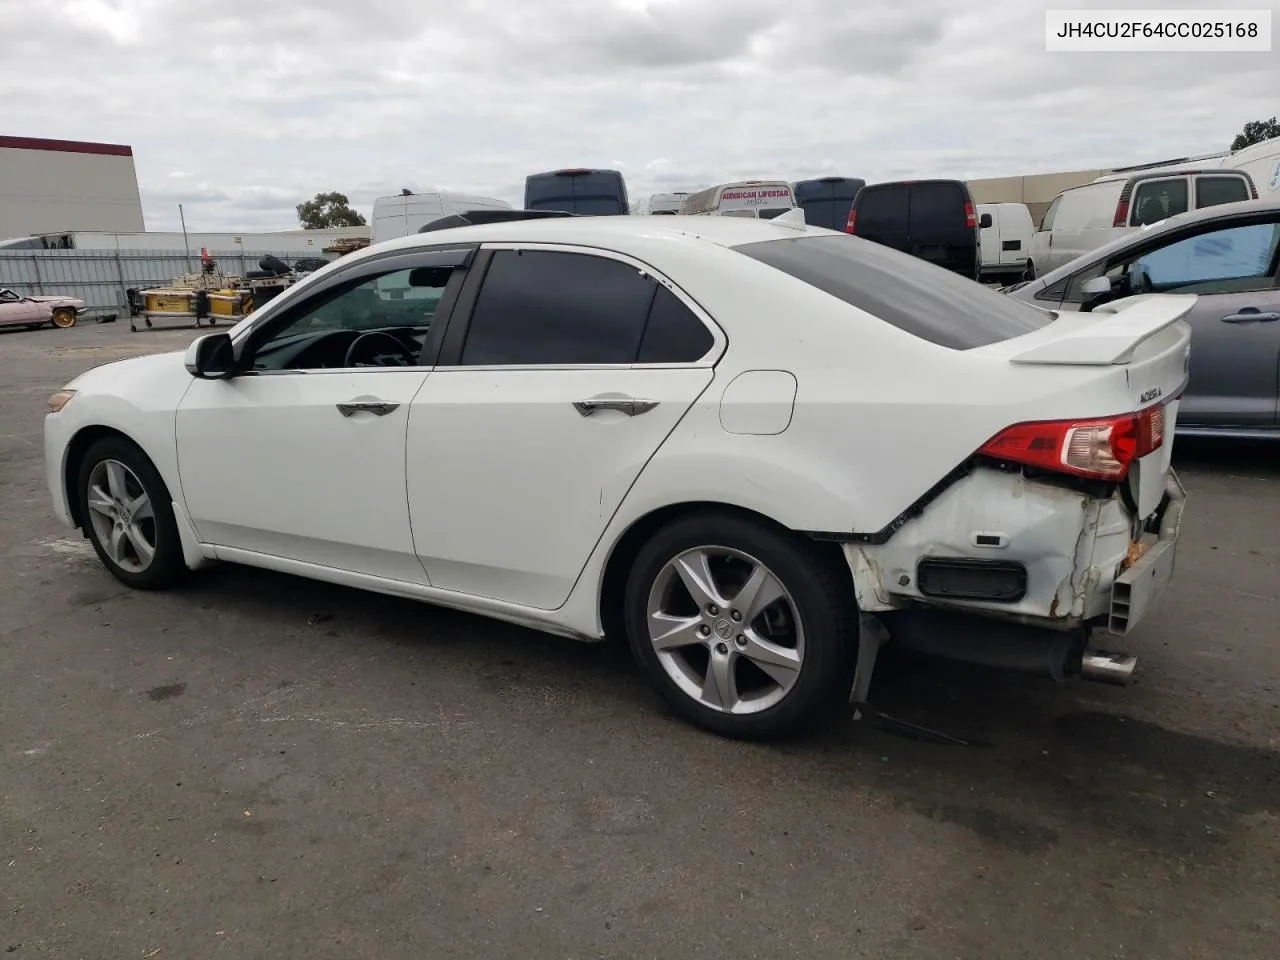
(1122, 214)
(970, 220)
(1101, 449)
(852, 221)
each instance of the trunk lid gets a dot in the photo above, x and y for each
(1147, 339)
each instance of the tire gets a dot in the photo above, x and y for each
(1029, 273)
(64, 318)
(811, 591)
(102, 516)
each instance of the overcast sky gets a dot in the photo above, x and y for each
(239, 109)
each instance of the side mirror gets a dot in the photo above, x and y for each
(985, 221)
(211, 357)
(1097, 287)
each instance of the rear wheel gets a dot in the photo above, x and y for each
(128, 515)
(1029, 273)
(64, 317)
(745, 630)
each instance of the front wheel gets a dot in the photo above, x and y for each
(128, 515)
(64, 317)
(746, 630)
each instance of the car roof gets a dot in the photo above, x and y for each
(1218, 212)
(607, 232)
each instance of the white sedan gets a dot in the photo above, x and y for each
(757, 449)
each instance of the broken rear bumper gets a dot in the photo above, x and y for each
(1017, 572)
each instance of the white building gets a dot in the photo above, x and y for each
(49, 186)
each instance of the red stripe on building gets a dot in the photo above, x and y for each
(66, 146)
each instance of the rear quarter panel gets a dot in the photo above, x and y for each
(880, 416)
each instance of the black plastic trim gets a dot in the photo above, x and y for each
(936, 567)
(454, 336)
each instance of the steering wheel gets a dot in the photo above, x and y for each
(378, 349)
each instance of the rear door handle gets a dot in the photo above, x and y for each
(1251, 315)
(628, 405)
(378, 408)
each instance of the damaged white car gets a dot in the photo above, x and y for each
(757, 449)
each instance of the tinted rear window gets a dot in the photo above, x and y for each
(882, 208)
(1211, 191)
(844, 188)
(587, 193)
(937, 206)
(923, 300)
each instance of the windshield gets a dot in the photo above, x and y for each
(924, 300)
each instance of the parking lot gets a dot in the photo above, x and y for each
(261, 766)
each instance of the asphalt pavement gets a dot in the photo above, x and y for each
(257, 766)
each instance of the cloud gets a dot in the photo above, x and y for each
(260, 111)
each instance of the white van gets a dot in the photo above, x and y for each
(1004, 237)
(764, 199)
(1084, 218)
(658, 204)
(1262, 163)
(403, 215)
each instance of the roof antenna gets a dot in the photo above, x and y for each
(793, 218)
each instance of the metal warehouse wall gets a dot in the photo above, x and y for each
(50, 186)
(1036, 191)
(100, 277)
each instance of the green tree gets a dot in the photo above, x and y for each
(1256, 132)
(328, 210)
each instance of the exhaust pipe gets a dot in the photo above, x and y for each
(1102, 666)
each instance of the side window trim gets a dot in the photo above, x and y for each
(455, 336)
(458, 255)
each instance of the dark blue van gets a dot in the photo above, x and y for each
(826, 200)
(592, 193)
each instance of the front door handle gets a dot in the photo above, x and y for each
(628, 405)
(1251, 315)
(378, 408)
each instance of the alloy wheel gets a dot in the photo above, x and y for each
(122, 515)
(726, 630)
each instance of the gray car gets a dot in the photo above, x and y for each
(1229, 256)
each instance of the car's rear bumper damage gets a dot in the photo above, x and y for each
(1017, 572)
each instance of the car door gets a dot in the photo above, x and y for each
(301, 455)
(562, 372)
(1235, 345)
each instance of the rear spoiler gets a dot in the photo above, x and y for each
(1110, 333)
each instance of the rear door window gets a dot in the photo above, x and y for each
(936, 206)
(542, 307)
(1211, 191)
(935, 305)
(1158, 200)
(883, 209)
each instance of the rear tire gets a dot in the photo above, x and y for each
(128, 515)
(755, 667)
(64, 318)
(1029, 273)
